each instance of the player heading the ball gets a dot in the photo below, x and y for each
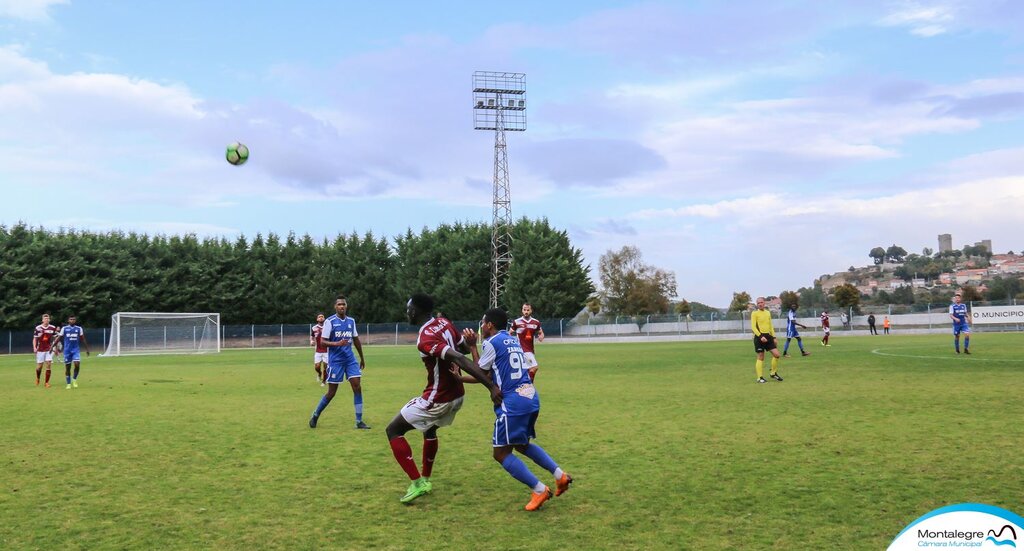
(442, 349)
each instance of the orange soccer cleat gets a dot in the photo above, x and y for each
(562, 484)
(536, 500)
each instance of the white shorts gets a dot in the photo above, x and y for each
(827, 330)
(422, 417)
(531, 360)
(42, 357)
(320, 357)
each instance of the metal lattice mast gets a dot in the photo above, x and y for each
(493, 110)
(501, 213)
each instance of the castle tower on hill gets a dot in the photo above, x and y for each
(945, 243)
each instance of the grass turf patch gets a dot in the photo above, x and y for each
(672, 445)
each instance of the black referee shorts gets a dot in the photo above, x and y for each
(764, 346)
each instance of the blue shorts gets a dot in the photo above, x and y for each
(961, 327)
(337, 373)
(510, 430)
(792, 333)
(72, 356)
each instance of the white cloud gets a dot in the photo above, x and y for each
(37, 103)
(768, 142)
(33, 10)
(136, 140)
(993, 164)
(150, 227)
(675, 91)
(1002, 197)
(712, 243)
(929, 18)
(925, 20)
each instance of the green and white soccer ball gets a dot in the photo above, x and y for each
(237, 153)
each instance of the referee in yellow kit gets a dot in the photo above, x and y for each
(764, 339)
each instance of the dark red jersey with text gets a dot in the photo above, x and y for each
(525, 329)
(315, 333)
(44, 337)
(436, 339)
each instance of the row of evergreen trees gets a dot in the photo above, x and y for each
(281, 280)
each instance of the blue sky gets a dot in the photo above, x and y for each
(746, 146)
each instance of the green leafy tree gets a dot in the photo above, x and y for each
(977, 251)
(274, 279)
(683, 308)
(895, 253)
(903, 295)
(788, 299)
(701, 308)
(740, 302)
(546, 271)
(877, 254)
(813, 297)
(1002, 288)
(846, 296)
(632, 287)
(454, 260)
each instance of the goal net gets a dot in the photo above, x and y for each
(163, 333)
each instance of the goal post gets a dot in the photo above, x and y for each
(133, 333)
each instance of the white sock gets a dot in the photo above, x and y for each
(539, 487)
(558, 473)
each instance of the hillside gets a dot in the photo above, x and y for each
(938, 274)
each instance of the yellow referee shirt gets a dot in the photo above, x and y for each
(761, 323)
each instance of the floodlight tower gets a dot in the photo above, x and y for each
(499, 104)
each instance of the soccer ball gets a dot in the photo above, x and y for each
(237, 153)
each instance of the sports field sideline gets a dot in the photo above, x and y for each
(672, 445)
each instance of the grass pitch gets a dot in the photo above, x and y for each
(672, 445)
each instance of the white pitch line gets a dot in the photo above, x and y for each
(955, 358)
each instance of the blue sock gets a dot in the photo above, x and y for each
(541, 457)
(519, 471)
(785, 349)
(358, 399)
(967, 343)
(68, 377)
(956, 344)
(320, 407)
(800, 343)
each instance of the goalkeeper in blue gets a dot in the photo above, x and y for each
(516, 418)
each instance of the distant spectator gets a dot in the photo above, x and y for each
(845, 319)
(885, 325)
(871, 324)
